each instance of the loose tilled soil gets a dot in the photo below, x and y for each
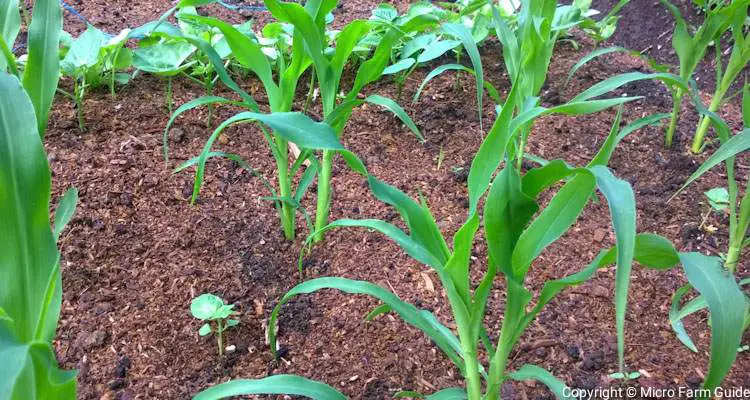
(136, 252)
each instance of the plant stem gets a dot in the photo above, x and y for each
(700, 133)
(324, 194)
(169, 94)
(310, 93)
(78, 93)
(676, 105)
(473, 379)
(208, 84)
(219, 339)
(285, 189)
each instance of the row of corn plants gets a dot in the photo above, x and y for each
(517, 228)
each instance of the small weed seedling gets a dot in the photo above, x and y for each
(216, 313)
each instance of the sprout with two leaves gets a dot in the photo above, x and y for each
(212, 309)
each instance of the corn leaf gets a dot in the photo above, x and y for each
(461, 32)
(406, 311)
(621, 201)
(735, 145)
(532, 372)
(42, 70)
(276, 384)
(30, 283)
(591, 56)
(727, 306)
(65, 210)
(10, 25)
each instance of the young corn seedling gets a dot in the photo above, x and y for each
(212, 309)
(738, 206)
(310, 21)
(279, 72)
(738, 60)
(30, 278)
(692, 49)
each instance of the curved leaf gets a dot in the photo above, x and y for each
(396, 109)
(406, 311)
(65, 210)
(532, 372)
(276, 384)
(467, 40)
(592, 55)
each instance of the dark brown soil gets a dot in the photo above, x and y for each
(136, 252)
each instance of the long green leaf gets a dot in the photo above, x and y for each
(591, 56)
(30, 283)
(727, 306)
(276, 384)
(621, 200)
(43, 65)
(406, 311)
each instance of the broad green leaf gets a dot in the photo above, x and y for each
(43, 65)
(205, 329)
(554, 220)
(532, 372)
(621, 201)
(276, 384)
(399, 66)
(30, 282)
(406, 311)
(540, 179)
(345, 43)
(727, 306)
(165, 58)
(507, 211)
(620, 80)
(654, 251)
(396, 109)
(84, 52)
(437, 49)
(29, 371)
(65, 210)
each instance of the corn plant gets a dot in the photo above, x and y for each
(724, 199)
(30, 280)
(738, 60)
(309, 23)
(280, 81)
(41, 72)
(212, 309)
(691, 49)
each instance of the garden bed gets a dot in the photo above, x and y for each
(136, 252)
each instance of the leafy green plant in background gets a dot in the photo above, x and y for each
(93, 60)
(309, 24)
(691, 49)
(163, 56)
(30, 280)
(212, 309)
(738, 207)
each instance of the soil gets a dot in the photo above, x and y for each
(137, 252)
